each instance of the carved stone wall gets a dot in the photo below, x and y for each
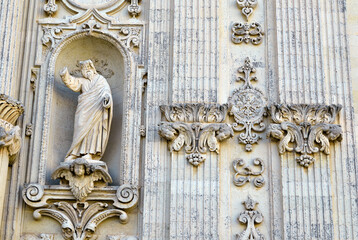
(232, 119)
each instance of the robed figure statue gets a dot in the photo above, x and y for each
(93, 114)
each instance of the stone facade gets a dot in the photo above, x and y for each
(227, 119)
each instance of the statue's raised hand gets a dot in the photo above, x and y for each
(63, 71)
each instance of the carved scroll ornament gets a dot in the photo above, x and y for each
(304, 129)
(79, 220)
(247, 32)
(250, 217)
(244, 172)
(247, 105)
(201, 132)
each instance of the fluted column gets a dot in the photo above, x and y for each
(10, 139)
(313, 68)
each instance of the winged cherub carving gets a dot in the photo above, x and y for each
(81, 176)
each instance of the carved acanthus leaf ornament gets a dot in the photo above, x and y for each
(250, 217)
(196, 127)
(304, 129)
(10, 135)
(247, 105)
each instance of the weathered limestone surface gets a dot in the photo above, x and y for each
(190, 177)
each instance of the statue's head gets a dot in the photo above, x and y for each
(87, 68)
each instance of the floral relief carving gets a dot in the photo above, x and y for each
(79, 220)
(247, 32)
(91, 25)
(247, 7)
(247, 105)
(205, 113)
(250, 217)
(304, 129)
(196, 127)
(244, 172)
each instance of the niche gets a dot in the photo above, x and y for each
(109, 62)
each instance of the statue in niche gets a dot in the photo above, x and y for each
(93, 114)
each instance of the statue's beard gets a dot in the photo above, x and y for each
(88, 75)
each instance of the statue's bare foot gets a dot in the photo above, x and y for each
(87, 156)
(70, 158)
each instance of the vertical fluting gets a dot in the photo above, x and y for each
(313, 68)
(10, 32)
(194, 206)
(156, 170)
(195, 51)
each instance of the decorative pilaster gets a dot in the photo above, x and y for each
(313, 68)
(10, 139)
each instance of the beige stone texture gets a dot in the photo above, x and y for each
(184, 178)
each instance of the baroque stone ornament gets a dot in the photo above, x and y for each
(205, 113)
(250, 217)
(79, 220)
(304, 129)
(248, 106)
(50, 7)
(247, 7)
(93, 115)
(196, 127)
(10, 135)
(51, 35)
(130, 36)
(247, 32)
(244, 172)
(134, 9)
(81, 176)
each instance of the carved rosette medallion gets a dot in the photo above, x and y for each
(250, 217)
(304, 129)
(197, 127)
(248, 106)
(247, 32)
(247, 7)
(244, 172)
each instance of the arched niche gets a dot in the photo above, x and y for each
(110, 62)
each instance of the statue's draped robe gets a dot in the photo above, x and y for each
(92, 119)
